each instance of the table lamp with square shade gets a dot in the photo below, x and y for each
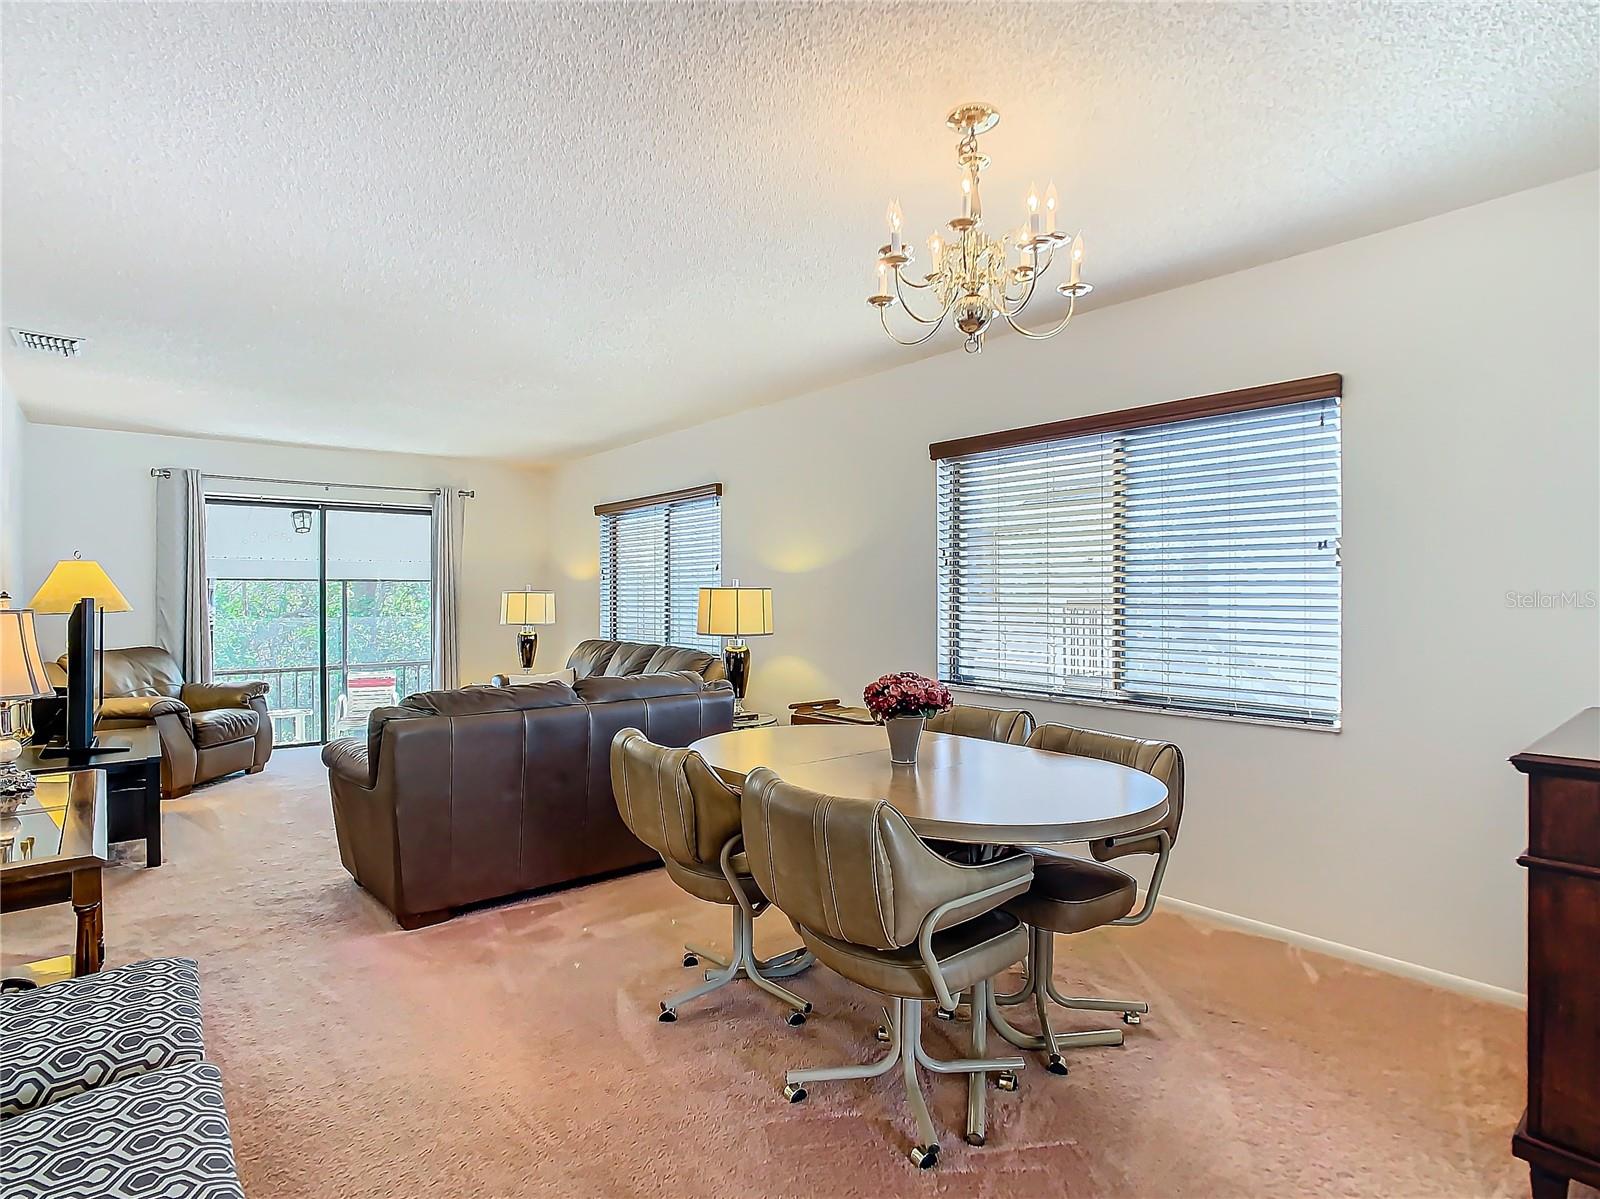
(22, 677)
(736, 612)
(82, 588)
(527, 608)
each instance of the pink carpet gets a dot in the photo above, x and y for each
(515, 1051)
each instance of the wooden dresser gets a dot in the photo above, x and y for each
(1559, 1136)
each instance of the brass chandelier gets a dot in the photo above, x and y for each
(970, 273)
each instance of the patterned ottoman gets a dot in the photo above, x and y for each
(89, 1032)
(104, 1093)
(162, 1135)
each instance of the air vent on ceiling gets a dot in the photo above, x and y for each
(48, 343)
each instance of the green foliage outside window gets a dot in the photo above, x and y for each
(271, 624)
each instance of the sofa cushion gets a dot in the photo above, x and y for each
(87, 1032)
(674, 657)
(590, 657)
(221, 726)
(631, 657)
(142, 670)
(470, 701)
(153, 1136)
(604, 689)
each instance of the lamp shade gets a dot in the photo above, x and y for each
(527, 607)
(735, 611)
(73, 579)
(21, 668)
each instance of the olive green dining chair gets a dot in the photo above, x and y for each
(1070, 894)
(873, 903)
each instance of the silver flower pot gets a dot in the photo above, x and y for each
(905, 734)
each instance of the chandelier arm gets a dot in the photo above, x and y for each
(1038, 335)
(1021, 302)
(926, 283)
(883, 316)
(907, 307)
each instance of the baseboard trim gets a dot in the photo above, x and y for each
(1363, 957)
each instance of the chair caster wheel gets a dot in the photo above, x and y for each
(976, 1139)
(882, 1034)
(794, 1093)
(667, 1015)
(796, 1019)
(1006, 1080)
(1056, 1065)
(1131, 1018)
(689, 959)
(925, 1157)
(944, 1015)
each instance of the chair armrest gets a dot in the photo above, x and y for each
(208, 697)
(1153, 891)
(347, 758)
(142, 707)
(974, 904)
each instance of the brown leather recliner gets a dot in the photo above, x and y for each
(457, 797)
(612, 658)
(207, 729)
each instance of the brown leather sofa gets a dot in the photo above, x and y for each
(457, 797)
(207, 729)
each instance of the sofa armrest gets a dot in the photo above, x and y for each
(348, 759)
(142, 707)
(208, 697)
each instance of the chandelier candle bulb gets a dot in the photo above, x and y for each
(1051, 202)
(1035, 217)
(895, 220)
(1077, 259)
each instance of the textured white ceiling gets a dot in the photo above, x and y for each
(522, 230)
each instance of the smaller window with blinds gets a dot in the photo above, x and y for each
(656, 553)
(1183, 556)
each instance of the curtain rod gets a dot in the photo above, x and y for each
(165, 472)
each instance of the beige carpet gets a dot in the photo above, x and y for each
(515, 1051)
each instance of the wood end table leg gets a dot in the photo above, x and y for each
(90, 948)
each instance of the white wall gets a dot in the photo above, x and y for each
(12, 424)
(1468, 344)
(90, 490)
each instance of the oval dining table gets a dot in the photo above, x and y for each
(959, 789)
(963, 789)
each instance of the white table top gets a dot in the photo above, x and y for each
(960, 789)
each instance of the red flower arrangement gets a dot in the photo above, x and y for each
(905, 694)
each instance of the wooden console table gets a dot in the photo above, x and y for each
(52, 850)
(1559, 1136)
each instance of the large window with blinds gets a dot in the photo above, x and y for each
(655, 555)
(1183, 556)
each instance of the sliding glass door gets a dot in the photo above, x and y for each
(330, 604)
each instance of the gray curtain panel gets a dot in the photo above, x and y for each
(183, 610)
(447, 522)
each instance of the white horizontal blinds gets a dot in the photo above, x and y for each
(1027, 567)
(633, 575)
(653, 561)
(1189, 565)
(1231, 601)
(694, 560)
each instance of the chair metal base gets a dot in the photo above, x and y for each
(1040, 987)
(744, 964)
(904, 1026)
